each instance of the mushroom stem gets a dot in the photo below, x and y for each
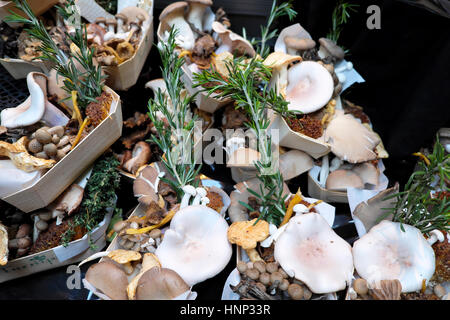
(324, 170)
(188, 192)
(335, 164)
(205, 201)
(435, 235)
(200, 193)
(253, 255)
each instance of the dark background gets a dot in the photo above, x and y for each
(406, 94)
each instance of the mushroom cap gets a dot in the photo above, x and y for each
(160, 284)
(179, 6)
(196, 245)
(133, 14)
(235, 41)
(278, 59)
(294, 162)
(123, 256)
(332, 48)
(388, 253)
(310, 87)
(143, 186)
(243, 157)
(370, 211)
(349, 139)
(295, 30)
(247, 234)
(340, 180)
(120, 15)
(140, 156)
(148, 262)
(109, 278)
(315, 254)
(368, 172)
(3, 245)
(298, 43)
(100, 20)
(70, 200)
(111, 21)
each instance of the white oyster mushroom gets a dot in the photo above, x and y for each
(388, 253)
(173, 16)
(196, 12)
(196, 244)
(311, 251)
(310, 87)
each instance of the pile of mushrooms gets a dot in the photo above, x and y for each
(49, 143)
(117, 39)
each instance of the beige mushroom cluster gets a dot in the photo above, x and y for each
(268, 281)
(117, 39)
(49, 143)
(141, 242)
(22, 241)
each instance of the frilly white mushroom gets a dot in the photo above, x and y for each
(388, 253)
(196, 244)
(173, 16)
(35, 108)
(310, 87)
(311, 251)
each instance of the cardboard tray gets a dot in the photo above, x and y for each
(204, 102)
(56, 257)
(64, 173)
(19, 68)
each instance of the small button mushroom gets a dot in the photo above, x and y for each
(295, 291)
(264, 278)
(136, 247)
(46, 216)
(155, 234)
(43, 136)
(50, 149)
(283, 273)
(42, 155)
(360, 286)
(439, 290)
(64, 140)
(128, 245)
(242, 266)
(275, 279)
(134, 225)
(252, 273)
(34, 146)
(307, 294)
(55, 139)
(57, 130)
(122, 241)
(24, 230)
(41, 225)
(284, 284)
(272, 267)
(260, 266)
(249, 265)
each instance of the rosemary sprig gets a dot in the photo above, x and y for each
(415, 205)
(340, 16)
(176, 136)
(276, 12)
(99, 195)
(78, 70)
(247, 84)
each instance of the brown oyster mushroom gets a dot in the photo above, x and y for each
(349, 139)
(149, 261)
(294, 44)
(388, 290)
(140, 156)
(160, 284)
(3, 245)
(330, 48)
(144, 187)
(370, 211)
(339, 180)
(109, 278)
(70, 200)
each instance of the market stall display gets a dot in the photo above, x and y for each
(243, 147)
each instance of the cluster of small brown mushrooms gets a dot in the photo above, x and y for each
(49, 143)
(268, 281)
(144, 242)
(116, 40)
